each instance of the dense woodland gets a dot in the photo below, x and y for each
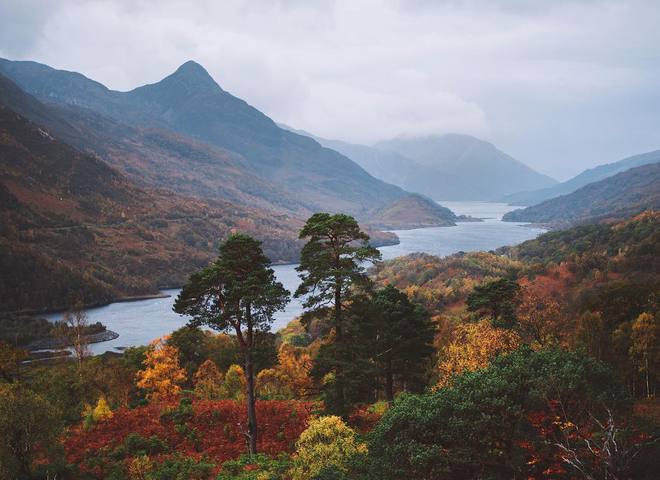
(535, 361)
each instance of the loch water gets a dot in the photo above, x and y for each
(139, 322)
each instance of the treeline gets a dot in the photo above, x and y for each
(480, 365)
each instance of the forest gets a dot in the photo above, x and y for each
(538, 361)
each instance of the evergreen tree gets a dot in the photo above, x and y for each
(331, 262)
(399, 336)
(237, 292)
(497, 299)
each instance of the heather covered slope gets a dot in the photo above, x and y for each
(591, 175)
(189, 102)
(71, 224)
(617, 197)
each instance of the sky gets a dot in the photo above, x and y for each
(559, 85)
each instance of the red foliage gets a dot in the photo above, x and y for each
(219, 429)
(363, 420)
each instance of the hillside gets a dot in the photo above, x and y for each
(153, 156)
(413, 211)
(71, 225)
(191, 104)
(588, 176)
(452, 167)
(616, 197)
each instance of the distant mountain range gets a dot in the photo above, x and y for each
(186, 133)
(616, 197)
(108, 194)
(445, 167)
(588, 176)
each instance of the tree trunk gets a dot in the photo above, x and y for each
(251, 408)
(648, 389)
(389, 383)
(339, 333)
(249, 377)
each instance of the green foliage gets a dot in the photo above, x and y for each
(498, 299)
(26, 421)
(181, 467)
(331, 264)
(238, 291)
(397, 336)
(472, 428)
(255, 467)
(136, 445)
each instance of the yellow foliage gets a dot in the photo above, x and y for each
(140, 467)
(208, 381)
(235, 384)
(272, 384)
(327, 442)
(102, 410)
(162, 374)
(473, 347)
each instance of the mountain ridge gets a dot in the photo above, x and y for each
(613, 198)
(438, 180)
(590, 175)
(321, 178)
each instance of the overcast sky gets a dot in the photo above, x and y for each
(561, 86)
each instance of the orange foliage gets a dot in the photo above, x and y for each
(539, 318)
(162, 374)
(290, 377)
(473, 347)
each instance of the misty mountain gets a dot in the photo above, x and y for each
(461, 167)
(448, 167)
(616, 197)
(588, 176)
(191, 104)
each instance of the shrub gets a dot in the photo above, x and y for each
(327, 443)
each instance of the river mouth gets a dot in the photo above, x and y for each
(139, 322)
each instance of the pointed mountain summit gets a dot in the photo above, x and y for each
(191, 104)
(189, 79)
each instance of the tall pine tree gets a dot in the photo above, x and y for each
(331, 263)
(237, 292)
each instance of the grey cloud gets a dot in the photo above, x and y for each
(560, 85)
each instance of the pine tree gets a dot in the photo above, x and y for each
(238, 293)
(331, 262)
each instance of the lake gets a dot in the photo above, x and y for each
(139, 322)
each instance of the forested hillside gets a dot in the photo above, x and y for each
(614, 198)
(75, 229)
(478, 365)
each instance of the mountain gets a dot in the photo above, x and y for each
(73, 227)
(588, 176)
(617, 197)
(413, 211)
(189, 109)
(453, 167)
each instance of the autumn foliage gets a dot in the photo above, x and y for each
(214, 430)
(162, 375)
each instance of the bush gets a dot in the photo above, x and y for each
(328, 443)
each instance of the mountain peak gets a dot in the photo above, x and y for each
(193, 73)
